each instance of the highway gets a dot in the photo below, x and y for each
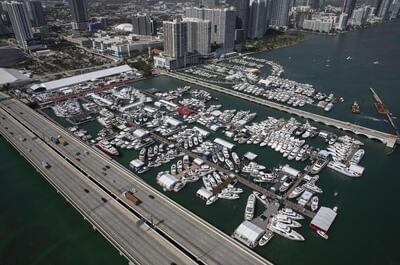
(388, 139)
(139, 244)
(189, 232)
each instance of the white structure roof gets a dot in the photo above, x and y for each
(324, 218)
(167, 181)
(224, 143)
(124, 27)
(248, 233)
(203, 133)
(8, 75)
(140, 133)
(136, 163)
(198, 161)
(204, 193)
(250, 156)
(172, 121)
(73, 80)
(291, 171)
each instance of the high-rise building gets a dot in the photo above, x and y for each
(175, 38)
(79, 14)
(142, 25)
(258, 19)
(222, 25)
(279, 13)
(20, 22)
(360, 16)
(383, 10)
(348, 7)
(342, 23)
(198, 36)
(394, 9)
(242, 13)
(209, 3)
(35, 12)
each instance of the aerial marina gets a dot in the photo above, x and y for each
(185, 136)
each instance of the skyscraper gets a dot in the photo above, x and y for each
(394, 9)
(198, 36)
(79, 14)
(143, 24)
(175, 38)
(209, 3)
(223, 21)
(35, 12)
(348, 7)
(242, 15)
(279, 13)
(383, 10)
(20, 22)
(258, 18)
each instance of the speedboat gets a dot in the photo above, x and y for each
(314, 203)
(266, 238)
(296, 192)
(235, 158)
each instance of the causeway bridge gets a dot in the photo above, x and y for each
(388, 139)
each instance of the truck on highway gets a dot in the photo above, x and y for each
(58, 140)
(132, 198)
(45, 164)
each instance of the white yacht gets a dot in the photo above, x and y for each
(266, 238)
(235, 158)
(314, 203)
(211, 200)
(286, 220)
(292, 214)
(342, 168)
(250, 206)
(285, 231)
(296, 192)
(228, 196)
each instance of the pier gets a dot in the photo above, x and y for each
(191, 235)
(389, 140)
(253, 186)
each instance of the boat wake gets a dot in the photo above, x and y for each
(372, 118)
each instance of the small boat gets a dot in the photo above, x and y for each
(355, 108)
(266, 238)
(322, 234)
(314, 203)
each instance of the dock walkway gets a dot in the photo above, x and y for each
(389, 140)
(194, 236)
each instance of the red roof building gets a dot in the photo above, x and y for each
(183, 111)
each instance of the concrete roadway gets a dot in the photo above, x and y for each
(139, 244)
(196, 236)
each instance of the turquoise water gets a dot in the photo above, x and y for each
(366, 230)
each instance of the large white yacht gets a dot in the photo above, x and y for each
(285, 231)
(250, 206)
(292, 214)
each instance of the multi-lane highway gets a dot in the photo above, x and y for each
(138, 243)
(190, 233)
